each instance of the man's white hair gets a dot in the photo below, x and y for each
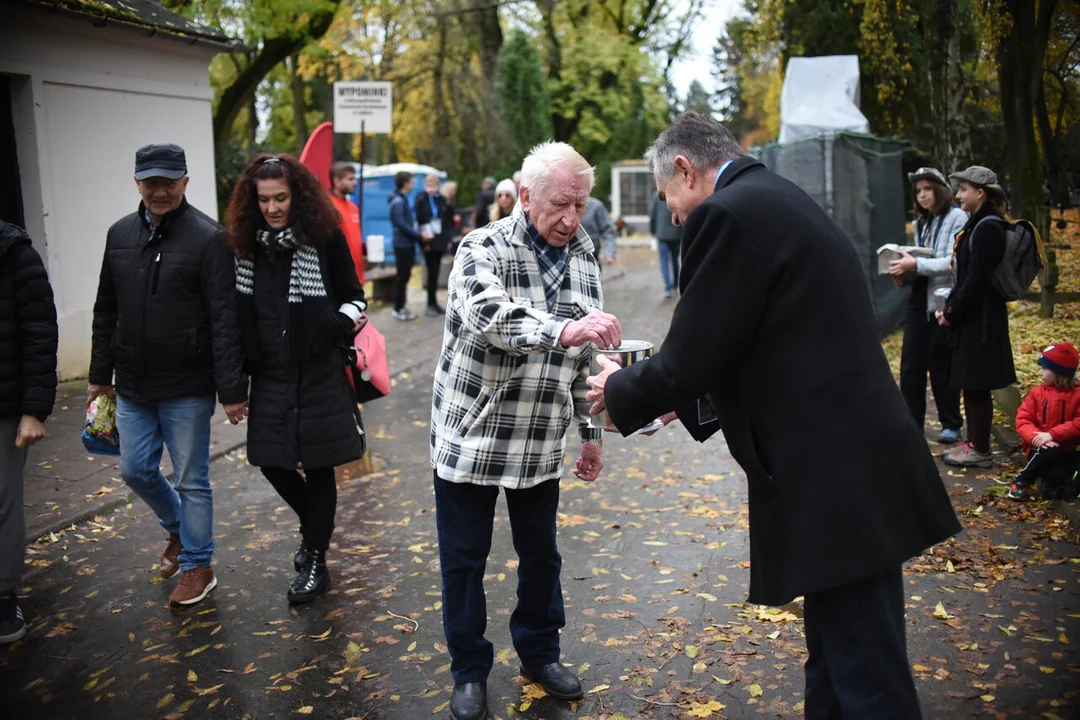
(545, 157)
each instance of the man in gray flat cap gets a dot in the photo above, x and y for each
(165, 323)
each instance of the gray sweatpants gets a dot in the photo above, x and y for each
(12, 520)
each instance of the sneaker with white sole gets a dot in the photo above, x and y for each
(404, 314)
(949, 436)
(1019, 491)
(195, 584)
(968, 456)
(12, 624)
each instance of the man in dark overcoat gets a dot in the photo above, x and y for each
(773, 342)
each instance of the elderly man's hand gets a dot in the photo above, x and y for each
(597, 383)
(590, 463)
(597, 327)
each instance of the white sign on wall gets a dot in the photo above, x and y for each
(366, 104)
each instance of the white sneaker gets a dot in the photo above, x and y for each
(404, 314)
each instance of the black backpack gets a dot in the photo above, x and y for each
(1023, 260)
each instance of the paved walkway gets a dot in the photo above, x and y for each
(655, 572)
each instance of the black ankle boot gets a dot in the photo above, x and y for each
(303, 553)
(312, 580)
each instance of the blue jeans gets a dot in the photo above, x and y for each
(669, 263)
(185, 507)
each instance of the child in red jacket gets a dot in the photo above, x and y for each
(1048, 422)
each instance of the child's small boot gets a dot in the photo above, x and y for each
(1020, 490)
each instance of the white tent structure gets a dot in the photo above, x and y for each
(820, 97)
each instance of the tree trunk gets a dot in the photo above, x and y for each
(253, 123)
(441, 147)
(297, 87)
(274, 50)
(1020, 63)
(489, 32)
(1055, 174)
(950, 134)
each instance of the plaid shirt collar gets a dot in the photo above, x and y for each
(552, 261)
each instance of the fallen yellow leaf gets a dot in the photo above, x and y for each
(306, 710)
(755, 690)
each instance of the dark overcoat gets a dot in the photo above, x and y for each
(302, 412)
(774, 332)
(978, 317)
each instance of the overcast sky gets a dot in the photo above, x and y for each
(697, 62)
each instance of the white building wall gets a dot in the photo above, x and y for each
(85, 99)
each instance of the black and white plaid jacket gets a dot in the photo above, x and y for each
(505, 390)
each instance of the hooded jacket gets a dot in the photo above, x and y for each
(28, 333)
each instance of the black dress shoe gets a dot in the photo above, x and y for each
(469, 701)
(558, 682)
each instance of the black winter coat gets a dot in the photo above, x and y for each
(422, 210)
(28, 334)
(302, 413)
(775, 333)
(978, 316)
(165, 316)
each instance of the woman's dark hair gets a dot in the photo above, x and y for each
(944, 198)
(402, 178)
(312, 215)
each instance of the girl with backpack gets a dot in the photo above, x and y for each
(925, 349)
(976, 313)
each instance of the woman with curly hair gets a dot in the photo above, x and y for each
(299, 303)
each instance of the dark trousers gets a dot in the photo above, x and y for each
(1053, 465)
(979, 409)
(858, 666)
(404, 258)
(433, 260)
(312, 496)
(464, 517)
(926, 350)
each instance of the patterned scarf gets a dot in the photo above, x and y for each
(552, 262)
(313, 324)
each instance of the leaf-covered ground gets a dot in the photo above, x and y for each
(655, 575)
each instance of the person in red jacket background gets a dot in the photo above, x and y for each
(343, 184)
(1048, 422)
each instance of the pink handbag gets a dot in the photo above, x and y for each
(368, 371)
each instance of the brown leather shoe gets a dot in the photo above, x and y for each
(170, 559)
(194, 585)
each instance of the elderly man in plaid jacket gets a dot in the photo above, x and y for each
(524, 310)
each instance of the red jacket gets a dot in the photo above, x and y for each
(1047, 409)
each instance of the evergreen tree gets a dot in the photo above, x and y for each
(521, 90)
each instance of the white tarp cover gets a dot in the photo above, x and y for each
(820, 97)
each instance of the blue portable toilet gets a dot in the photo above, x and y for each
(377, 187)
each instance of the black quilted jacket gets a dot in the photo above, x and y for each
(165, 317)
(27, 329)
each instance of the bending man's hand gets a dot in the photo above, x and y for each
(597, 383)
(590, 463)
(597, 327)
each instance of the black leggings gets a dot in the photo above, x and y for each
(312, 496)
(979, 409)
